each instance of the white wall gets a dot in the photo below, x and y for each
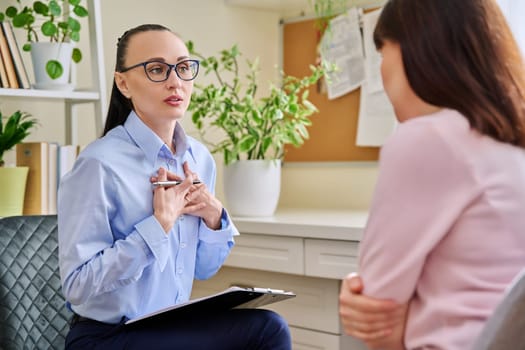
(212, 26)
(514, 11)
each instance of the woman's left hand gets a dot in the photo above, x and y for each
(379, 323)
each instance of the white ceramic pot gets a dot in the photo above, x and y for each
(252, 187)
(41, 53)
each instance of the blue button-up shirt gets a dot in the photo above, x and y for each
(115, 259)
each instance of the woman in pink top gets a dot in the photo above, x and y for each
(446, 232)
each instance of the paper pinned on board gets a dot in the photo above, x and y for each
(342, 45)
(376, 119)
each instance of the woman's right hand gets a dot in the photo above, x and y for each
(171, 202)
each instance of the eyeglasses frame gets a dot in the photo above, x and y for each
(172, 67)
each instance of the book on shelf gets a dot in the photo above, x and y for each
(4, 83)
(8, 62)
(20, 69)
(233, 297)
(47, 162)
(52, 178)
(67, 154)
(35, 155)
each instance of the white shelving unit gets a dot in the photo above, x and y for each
(95, 95)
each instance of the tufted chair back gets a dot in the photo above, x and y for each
(32, 309)
(505, 328)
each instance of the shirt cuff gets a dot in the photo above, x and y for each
(156, 239)
(224, 234)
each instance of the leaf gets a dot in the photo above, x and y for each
(80, 11)
(73, 24)
(75, 36)
(49, 28)
(11, 11)
(303, 131)
(229, 157)
(190, 46)
(54, 8)
(15, 130)
(246, 143)
(266, 143)
(76, 55)
(40, 8)
(54, 69)
(256, 116)
(309, 105)
(306, 93)
(21, 20)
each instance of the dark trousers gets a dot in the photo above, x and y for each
(238, 329)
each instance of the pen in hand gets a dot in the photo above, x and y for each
(171, 183)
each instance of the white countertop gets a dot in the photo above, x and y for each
(346, 225)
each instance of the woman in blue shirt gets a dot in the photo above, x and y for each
(127, 248)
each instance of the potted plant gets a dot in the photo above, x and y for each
(51, 31)
(254, 130)
(13, 131)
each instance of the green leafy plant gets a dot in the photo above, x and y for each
(252, 128)
(326, 9)
(48, 18)
(15, 129)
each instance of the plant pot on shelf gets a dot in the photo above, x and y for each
(252, 187)
(12, 190)
(41, 54)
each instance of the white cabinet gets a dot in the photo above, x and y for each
(330, 258)
(280, 254)
(95, 95)
(307, 252)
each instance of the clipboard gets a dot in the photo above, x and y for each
(233, 297)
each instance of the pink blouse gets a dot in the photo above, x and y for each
(446, 229)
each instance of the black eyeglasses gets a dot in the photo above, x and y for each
(158, 71)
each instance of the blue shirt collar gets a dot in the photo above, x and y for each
(151, 143)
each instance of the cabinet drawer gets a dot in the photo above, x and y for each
(269, 253)
(315, 307)
(330, 259)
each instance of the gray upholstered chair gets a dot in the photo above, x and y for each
(32, 309)
(505, 329)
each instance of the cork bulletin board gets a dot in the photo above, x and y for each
(333, 130)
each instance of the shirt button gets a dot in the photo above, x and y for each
(183, 245)
(179, 271)
(182, 218)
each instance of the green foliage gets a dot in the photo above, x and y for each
(47, 17)
(252, 128)
(325, 10)
(15, 129)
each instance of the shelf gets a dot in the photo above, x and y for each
(77, 95)
(302, 7)
(280, 6)
(95, 95)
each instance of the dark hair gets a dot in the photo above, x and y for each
(461, 54)
(120, 105)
